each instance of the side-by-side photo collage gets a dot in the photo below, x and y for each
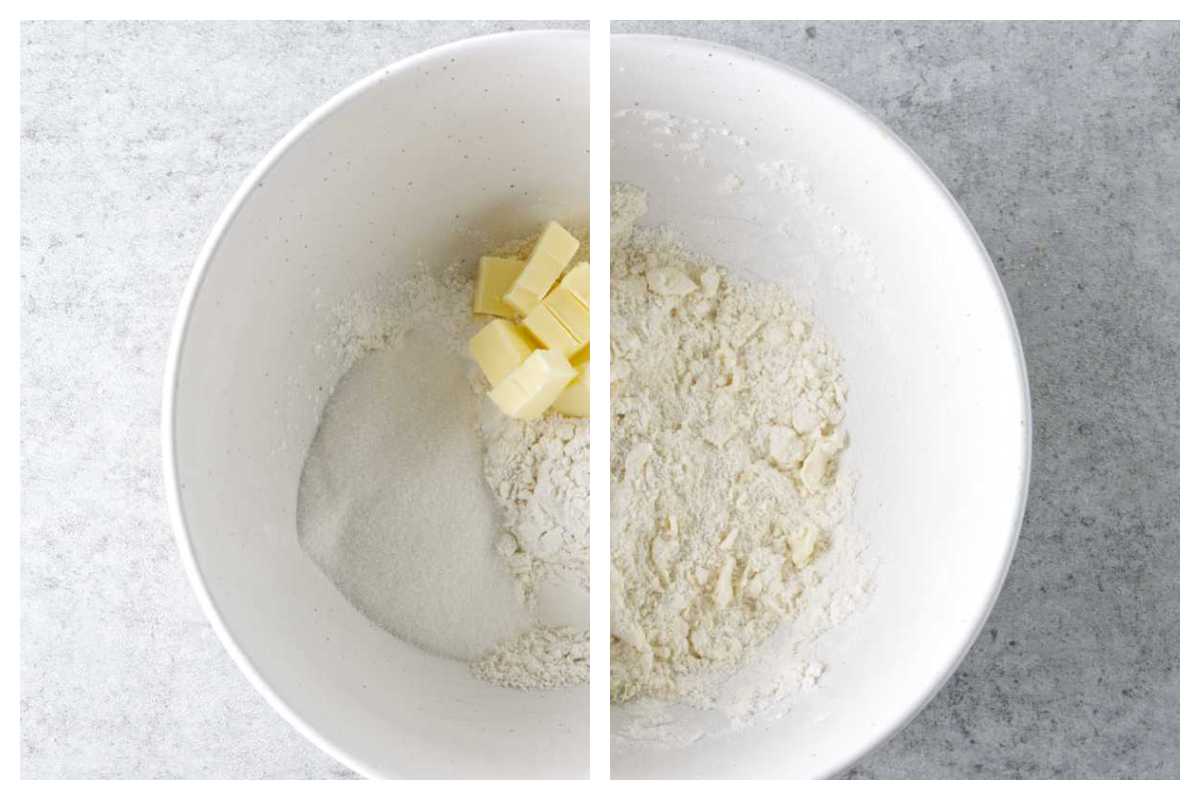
(599, 399)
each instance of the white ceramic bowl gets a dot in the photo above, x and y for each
(770, 172)
(395, 170)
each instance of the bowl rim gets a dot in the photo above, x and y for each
(179, 334)
(937, 681)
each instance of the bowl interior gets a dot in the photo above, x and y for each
(426, 162)
(772, 173)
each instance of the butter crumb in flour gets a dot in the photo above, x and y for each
(729, 506)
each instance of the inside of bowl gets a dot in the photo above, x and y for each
(424, 165)
(772, 174)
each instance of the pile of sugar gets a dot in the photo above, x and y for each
(397, 514)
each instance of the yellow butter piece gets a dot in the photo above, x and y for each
(554, 250)
(576, 282)
(550, 332)
(573, 401)
(530, 388)
(499, 348)
(569, 311)
(496, 276)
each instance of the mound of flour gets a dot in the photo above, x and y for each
(728, 503)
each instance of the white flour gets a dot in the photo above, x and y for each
(453, 527)
(538, 472)
(543, 658)
(730, 552)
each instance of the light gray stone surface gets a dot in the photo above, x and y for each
(133, 138)
(1061, 142)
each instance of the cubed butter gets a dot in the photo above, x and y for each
(576, 282)
(568, 310)
(550, 332)
(573, 402)
(530, 389)
(553, 251)
(499, 348)
(495, 278)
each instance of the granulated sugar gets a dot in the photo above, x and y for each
(397, 513)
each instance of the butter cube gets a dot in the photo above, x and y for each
(530, 389)
(499, 348)
(573, 402)
(569, 311)
(576, 282)
(553, 251)
(496, 276)
(550, 332)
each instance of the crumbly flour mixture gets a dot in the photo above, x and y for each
(452, 526)
(728, 502)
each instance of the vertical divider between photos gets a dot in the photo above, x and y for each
(600, 399)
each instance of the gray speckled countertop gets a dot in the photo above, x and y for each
(1061, 141)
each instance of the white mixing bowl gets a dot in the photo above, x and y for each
(427, 160)
(772, 173)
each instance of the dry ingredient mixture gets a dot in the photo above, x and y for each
(728, 502)
(452, 526)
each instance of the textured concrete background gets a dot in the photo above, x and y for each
(1060, 140)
